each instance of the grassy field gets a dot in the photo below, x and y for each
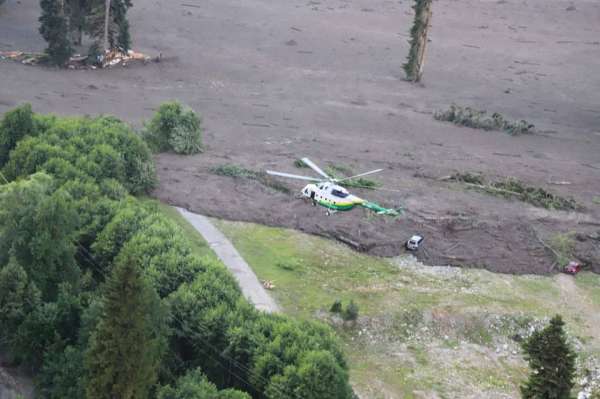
(423, 332)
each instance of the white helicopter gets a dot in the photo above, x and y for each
(327, 192)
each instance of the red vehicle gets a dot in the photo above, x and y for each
(572, 268)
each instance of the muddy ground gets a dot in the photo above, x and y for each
(278, 80)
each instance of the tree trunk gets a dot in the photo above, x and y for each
(425, 19)
(418, 40)
(106, 20)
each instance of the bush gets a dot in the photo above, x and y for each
(68, 148)
(351, 312)
(469, 117)
(15, 125)
(174, 127)
(336, 307)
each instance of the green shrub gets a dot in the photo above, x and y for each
(563, 246)
(336, 307)
(350, 313)
(469, 117)
(300, 163)
(174, 127)
(535, 195)
(232, 170)
(511, 187)
(69, 148)
(16, 124)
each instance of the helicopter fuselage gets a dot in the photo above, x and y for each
(331, 196)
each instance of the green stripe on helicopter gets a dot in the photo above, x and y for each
(337, 207)
(381, 210)
(365, 204)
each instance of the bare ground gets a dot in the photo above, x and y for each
(277, 80)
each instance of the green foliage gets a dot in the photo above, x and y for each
(18, 297)
(97, 148)
(67, 222)
(236, 171)
(340, 171)
(535, 195)
(49, 327)
(563, 246)
(511, 187)
(318, 376)
(62, 374)
(552, 363)
(38, 227)
(118, 26)
(174, 127)
(194, 385)
(124, 37)
(16, 124)
(129, 340)
(418, 39)
(468, 177)
(467, 116)
(336, 307)
(232, 170)
(361, 182)
(300, 163)
(350, 313)
(54, 29)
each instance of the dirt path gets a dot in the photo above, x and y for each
(247, 280)
(572, 297)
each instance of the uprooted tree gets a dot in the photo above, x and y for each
(418, 40)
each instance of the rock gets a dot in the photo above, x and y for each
(8, 386)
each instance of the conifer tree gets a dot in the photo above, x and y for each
(418, 40)
(552, 363)
(125, 349)
(112, 29)
(55, 31)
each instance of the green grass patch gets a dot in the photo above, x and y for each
(590, 283)
(415, 322)
(479, 119)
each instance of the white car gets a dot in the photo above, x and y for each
(413, 243)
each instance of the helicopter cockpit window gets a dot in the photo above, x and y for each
(339, 193)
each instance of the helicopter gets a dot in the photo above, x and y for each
(328, 191)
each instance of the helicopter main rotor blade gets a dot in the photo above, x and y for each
(362, 174)
(270, 172)
(314, 167)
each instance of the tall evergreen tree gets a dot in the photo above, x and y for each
(77, 11)
(112, 30)
(55, 31)
(125, 349)
(552, 363)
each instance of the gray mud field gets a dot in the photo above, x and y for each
(278, 80)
